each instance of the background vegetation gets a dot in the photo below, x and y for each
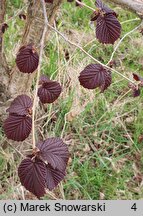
(104, 132)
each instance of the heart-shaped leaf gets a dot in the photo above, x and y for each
(21, 105)
(95, 75)
(49, 90)
(55, 152)
(32, 174)
(17, 127)
(108, 29)
(27, 59)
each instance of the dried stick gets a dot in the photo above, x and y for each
(130, 20)
(38, 71)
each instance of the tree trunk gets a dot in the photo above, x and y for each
(13, 82)
(133, 5)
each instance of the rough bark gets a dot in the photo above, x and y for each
(32, 34)
(14, 82)
(133, 5)
(4, 94)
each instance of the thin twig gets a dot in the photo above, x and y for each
(118, 44)
(130, 20)
(12, 146)
(85, 5)
(38, 71)
(80, 48)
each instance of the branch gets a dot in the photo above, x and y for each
(38, 72)
(90, 56)
(133, 5)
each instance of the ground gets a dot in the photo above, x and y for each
(104, 132)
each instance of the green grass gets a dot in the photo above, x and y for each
(103, 132)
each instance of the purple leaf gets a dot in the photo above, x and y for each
(21, 105)
(136, 92)
(95, 75)
(32, 174)
(99, 4)
(27, 59)
(17, 127)
(49, 91)
(4, 27)
(22, 16)
(108, 29)
(49, 1)
(53, 177)
(55, 152)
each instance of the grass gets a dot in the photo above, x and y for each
(101, 130)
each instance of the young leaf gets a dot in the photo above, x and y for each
(49, 91)
(108, 29)
(95, 75)
(4, 27)
(21, 105)
(17, 127)
(104, 9)
(27, 59)
(22, 16)
(53, 177)
(55, 152)
(137, 77)
(135, 89)
(32, 174)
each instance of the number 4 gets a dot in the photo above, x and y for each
(134, 207)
